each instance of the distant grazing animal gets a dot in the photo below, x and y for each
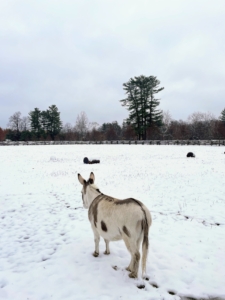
(190, 154)
(114, 220)
(94, 161)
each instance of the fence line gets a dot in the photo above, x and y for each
(119, 142)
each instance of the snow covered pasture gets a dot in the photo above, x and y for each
(46, 241)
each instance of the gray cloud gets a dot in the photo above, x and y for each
(77, 55)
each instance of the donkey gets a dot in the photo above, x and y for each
(115, 219)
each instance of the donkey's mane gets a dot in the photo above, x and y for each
(94, 186)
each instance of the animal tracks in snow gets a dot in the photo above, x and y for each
(178, 216)
(37, 226)
(146, 280)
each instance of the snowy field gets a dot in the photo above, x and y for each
(46, 241)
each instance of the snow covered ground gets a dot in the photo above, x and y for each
(46, 241)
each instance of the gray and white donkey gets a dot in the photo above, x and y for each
(115, 219)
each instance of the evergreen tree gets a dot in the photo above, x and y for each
(35, 122)
(155, 116)
(44, 120)
(53, 123)
(141, 104)
(45, 123)
(222, 117)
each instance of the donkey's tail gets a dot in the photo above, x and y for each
(145, 244)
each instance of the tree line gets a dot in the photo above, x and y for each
(145, 121)
(39, 125)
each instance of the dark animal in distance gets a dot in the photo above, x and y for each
(94, 161)
(190, 154)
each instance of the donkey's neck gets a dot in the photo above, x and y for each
(96, 193)
(93, 193)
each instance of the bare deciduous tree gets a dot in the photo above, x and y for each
(15, 121)
(69, 132)
(82, 124)
(95, 135)
(166, 120)
(201, 125)
(93, 125)
(25, 124)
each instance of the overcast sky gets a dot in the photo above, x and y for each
(77, 54)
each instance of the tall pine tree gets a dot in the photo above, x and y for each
(222, 117)
(53, 124)
(35, 122)
(141, 104)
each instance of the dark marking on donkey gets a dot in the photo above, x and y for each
(85, 187)
(93, 209)
(108, 198)
(145, 228)
(144, 224)
(103, 226)
(82, 198)
(126, 231)
(128, 201)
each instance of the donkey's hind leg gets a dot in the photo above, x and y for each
(97, 239)
(133, 247)
(127, 243)
(135, 264)
(107, 247)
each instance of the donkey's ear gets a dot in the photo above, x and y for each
(81, 179)
(92, 176)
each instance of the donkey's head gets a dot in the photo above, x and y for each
(89, 190)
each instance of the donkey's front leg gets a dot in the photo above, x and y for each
(107, 247)
(97, 239)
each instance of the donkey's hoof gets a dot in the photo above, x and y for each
(106, 253)
(132, 275)
(95, 254)
(128, 269)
